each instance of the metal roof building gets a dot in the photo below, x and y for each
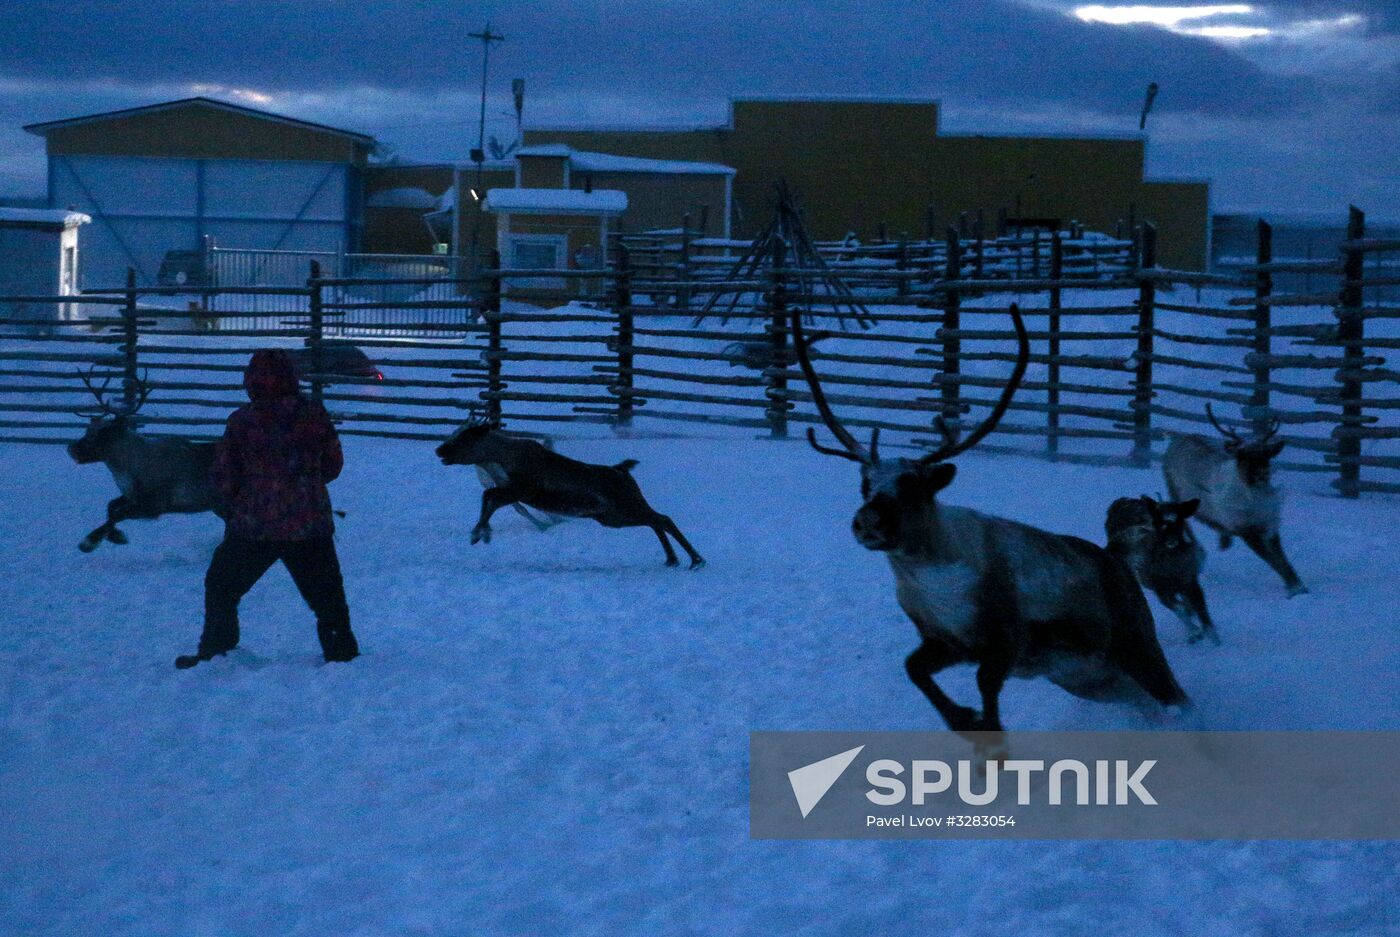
(161, 178)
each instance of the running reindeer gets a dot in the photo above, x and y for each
(528, 473)
(1153, 538)
(1230, 476)
(156, 476)
(1012, 599)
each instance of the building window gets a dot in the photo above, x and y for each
(538, 252)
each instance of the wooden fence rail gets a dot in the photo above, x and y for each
(1109, 380)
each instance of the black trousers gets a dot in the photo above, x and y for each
(238, 564)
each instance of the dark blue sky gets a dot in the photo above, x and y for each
(1286, 106)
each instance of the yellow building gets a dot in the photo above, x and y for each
(860, 164)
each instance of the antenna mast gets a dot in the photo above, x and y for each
(479, 152)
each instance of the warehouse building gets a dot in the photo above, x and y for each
(861, 164)
(159, 179)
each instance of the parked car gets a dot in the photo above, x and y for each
(339, 360)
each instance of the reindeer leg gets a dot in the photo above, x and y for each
(116, 511)
(492, 500)
(1270, 550)
(1196, 598)
(671, 559)
(991, 677)
(927, 660)
(664, 525)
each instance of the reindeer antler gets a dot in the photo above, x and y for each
(100, 393)
(142, 386)
(143, 390)
(853, 450)
(1228, 433)
(1023, 356)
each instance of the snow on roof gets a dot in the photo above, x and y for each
(407, 197)
(583, 161)
(556, 201)
(44, 216)
(546, 149)
(605, 162)
(43, 128)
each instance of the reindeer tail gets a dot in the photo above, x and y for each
(626, 465)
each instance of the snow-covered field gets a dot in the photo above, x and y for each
(548, 735)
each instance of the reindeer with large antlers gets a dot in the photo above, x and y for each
(156, 476)
(1230, 476)
(1015, 600)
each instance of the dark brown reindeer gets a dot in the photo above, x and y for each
(156, 476)
(534, 475)
(1012, 599)
(1230, 476)
(1153, 538)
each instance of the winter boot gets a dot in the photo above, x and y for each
(186, 661)
(339, 644)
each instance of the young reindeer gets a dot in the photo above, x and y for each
(531, 474)
(1153, 538)
(1015, 600)
(156, 476)
(1230, 476)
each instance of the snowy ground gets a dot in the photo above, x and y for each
(548, 735)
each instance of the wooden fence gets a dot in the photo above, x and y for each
(1120, 357)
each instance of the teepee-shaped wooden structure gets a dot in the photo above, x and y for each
(786, 245)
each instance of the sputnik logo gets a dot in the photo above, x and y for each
(811, 782)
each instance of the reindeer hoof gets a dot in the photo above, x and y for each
(672, 561)
(117, 537)
(697, 563)
(481, 534)
(1299, 589)
(87, 546)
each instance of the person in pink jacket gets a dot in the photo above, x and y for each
(271, 468)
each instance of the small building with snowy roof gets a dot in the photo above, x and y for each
(39, 257)
(553, 228)
(660, 192)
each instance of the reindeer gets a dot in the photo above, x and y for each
(156, 476)
(1012, 599)
(536, 476)
(1153, 538)
(1230, 476)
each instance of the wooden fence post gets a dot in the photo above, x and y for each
(951, 390)
(1263, 321)
(313, 339)
(491, 312)
(778, 341)
(130, 337)
(683, 288)
(1052, 377)
(981, 246)
(1142, 379)
(901, 266)
(622, 307)
(1351, 334)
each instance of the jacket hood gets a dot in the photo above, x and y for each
(271, 374)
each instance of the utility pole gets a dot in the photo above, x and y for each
(479, 152)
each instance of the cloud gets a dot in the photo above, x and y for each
(693, 49)
(406, 71)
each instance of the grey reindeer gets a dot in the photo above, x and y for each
(1153, 538)
(536, 476)
(1014, 600)
(155, 475)
(1230, 477)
